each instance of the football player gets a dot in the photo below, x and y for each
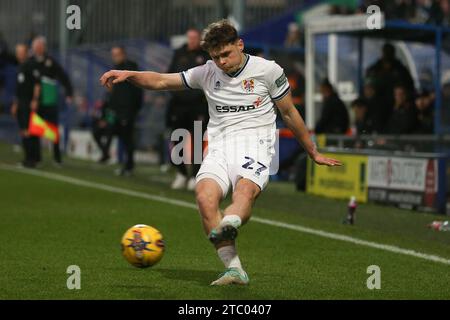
(242, 92)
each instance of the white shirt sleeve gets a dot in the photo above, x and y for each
(277, 82)
(194, 78)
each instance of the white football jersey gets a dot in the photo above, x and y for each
(242, 100)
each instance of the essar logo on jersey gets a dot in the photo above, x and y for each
(248, 85)
(224, 109)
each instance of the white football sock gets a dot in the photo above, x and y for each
(232, 219)
(229, 257)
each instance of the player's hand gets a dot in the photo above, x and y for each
(112, 77)
(321, 160)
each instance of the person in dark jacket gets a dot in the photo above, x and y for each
(363, 121)
(387, 72)
(103, 130)
(26, 100)
(404, 118)
(425, 113)
(50, 72)
(5, 58)
(334, 118)
(187, 106)
(378, 111)
(124, 103)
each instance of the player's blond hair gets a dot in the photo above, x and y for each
(218, 34)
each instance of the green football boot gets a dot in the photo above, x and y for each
(231, 276)
(226, 231)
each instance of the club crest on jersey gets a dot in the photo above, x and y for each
(217, 85)
(248, 85)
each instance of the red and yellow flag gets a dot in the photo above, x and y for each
(42, 128)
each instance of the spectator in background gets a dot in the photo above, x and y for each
(295, 162)
(426, 79)
(425, 113)
(187, 106)
(387, 72)
(3, 48)
(363, 122)
(434, 12)
(293, 37)
(124, 103)
(5, 58)
(25, 101)
(5, 55)
(334, 118)
(440, 13)
(297, 83)
(423, 11)
(445, 112)
(103, 129)
(378, 111)
(444, 6)
(50, 72)
(403, 118)
(404, 9)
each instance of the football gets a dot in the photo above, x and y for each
(143, 246)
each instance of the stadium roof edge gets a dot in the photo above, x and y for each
(356, 25)
(339, 23)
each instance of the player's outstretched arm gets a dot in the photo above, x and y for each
(295, 122)
(144, 79)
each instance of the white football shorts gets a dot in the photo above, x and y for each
(247, 155)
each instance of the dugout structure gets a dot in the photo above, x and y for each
(356, 26)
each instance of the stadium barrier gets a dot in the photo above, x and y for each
(412, 180)
(339, 182)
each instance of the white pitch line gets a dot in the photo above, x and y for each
(357, 241)
(190, 205)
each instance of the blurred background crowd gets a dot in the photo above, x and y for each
(396, 94)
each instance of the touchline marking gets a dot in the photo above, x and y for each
(190, 205)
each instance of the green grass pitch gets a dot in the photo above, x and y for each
(47, 225)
